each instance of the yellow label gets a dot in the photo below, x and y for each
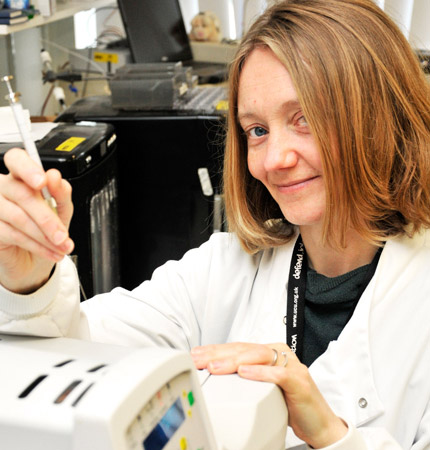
(222, 105)
(106, 57)
(70, 144)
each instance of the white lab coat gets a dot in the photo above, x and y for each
(376, 375)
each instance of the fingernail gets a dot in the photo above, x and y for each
(59, 237)
(242, 370)
(214, 366)
(68, 246)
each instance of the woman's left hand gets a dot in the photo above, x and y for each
(310, 416)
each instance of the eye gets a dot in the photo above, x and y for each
(256, 132)
(302, 121)
(302, 124)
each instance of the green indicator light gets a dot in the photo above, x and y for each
(191, 398)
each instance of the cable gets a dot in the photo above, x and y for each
(51, 89)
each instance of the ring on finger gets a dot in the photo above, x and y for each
(284, 354)
(275, 357)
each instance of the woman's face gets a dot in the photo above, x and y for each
(282, 153)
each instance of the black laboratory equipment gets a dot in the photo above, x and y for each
(86, 155)
(169, 177)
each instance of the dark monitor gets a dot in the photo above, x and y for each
(155, 30)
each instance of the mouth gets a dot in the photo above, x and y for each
(295, 184)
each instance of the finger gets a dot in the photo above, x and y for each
(294, 378)
(14, 237)
(18, 220)
(283, 354)
(202, 355)
(260, 355)
(226, 358)
(22, 167)
(37, 209)
(61, 190)
(272, 374)
(280, 358)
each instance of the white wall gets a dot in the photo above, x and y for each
(235, 15)
(419, 35)
(401, 12)
(413, 17)
(189, 9)
(5, 69)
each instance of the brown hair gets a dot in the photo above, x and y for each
(363, 94)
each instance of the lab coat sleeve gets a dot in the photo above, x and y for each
(366, 438)
(51, 311)
(375, 438)
(353, 440)
(165, 311)
(172, 307)
(363, 438)
(155, 313)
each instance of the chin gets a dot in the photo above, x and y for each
(303, 219)
(304, 212)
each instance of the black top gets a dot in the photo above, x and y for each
(329, 304)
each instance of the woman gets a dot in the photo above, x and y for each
(327, 198)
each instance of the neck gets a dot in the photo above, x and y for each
(333, 262)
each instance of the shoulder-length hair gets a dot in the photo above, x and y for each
(367, 102)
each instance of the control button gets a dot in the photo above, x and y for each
(362, 403)
(191, 398)
(183, 444)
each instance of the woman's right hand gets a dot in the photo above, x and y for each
(32, 236)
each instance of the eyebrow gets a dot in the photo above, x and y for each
(285, 107)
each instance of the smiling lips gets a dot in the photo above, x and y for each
(294, 185)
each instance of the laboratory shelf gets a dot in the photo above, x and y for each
(63, 10)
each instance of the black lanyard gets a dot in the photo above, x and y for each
(295, 318)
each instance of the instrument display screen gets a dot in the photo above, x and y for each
(165, 428)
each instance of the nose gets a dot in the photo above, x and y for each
(280, 152)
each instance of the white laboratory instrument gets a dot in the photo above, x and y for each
(66, 394)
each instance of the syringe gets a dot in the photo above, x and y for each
(28, 142)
